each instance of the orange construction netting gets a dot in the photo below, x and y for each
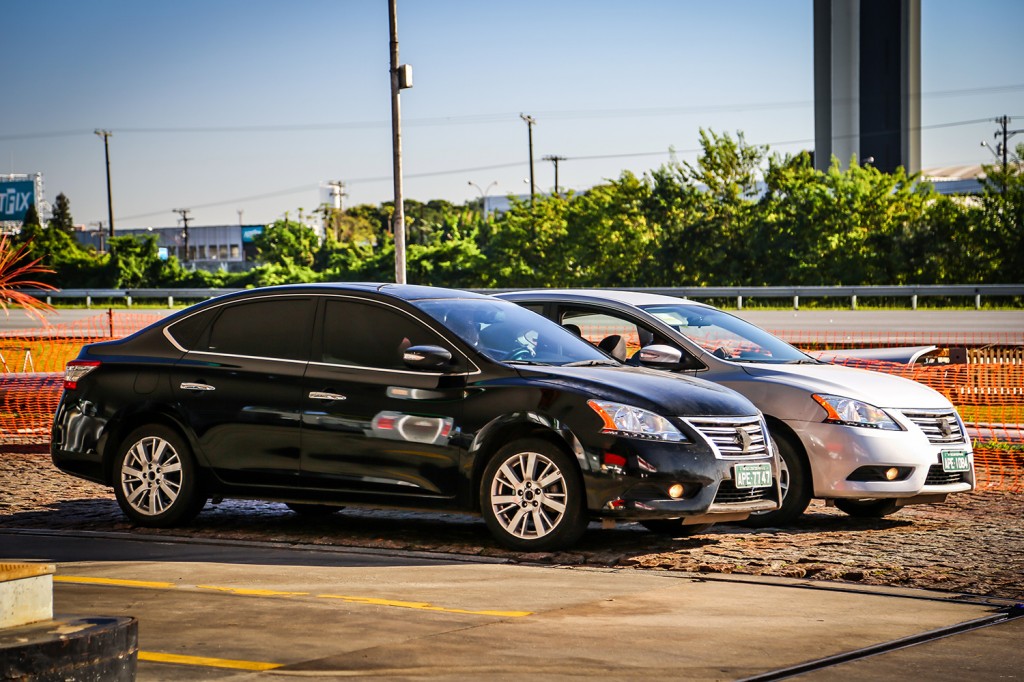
(988, 395)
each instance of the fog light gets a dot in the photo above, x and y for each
(676, 491)
(891, 473)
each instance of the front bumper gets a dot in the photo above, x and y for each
(836, 452)
(639, 489)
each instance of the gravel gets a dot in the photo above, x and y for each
(972, 544)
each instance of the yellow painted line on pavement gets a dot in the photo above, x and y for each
(423, 606)
(206, 661)
(249, 592)
(82, 580)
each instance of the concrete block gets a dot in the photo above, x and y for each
(26, 593)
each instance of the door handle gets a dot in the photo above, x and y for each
(324, 395)
(192, 386)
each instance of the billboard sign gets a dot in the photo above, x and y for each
(15, 198)
(249, 232)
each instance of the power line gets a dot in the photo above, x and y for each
(499, 117)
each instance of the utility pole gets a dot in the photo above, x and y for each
(401, 77)
(1004, 146)
(337, 193)
(530, 121)
(105, 134)
(555, 159)
(185, 217)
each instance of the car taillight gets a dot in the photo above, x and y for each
(75, 370)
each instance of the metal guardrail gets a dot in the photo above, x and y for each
(913, 292)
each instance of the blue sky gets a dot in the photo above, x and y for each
(223, 106)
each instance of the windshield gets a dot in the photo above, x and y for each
(506, 332)
(726, 336)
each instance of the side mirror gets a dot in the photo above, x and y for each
(426, 357)
(660, 356)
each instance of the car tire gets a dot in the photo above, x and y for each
(674, 527)
(796, 484)
(867, 509)
(313, 510)
(532, 497)
(156, 480)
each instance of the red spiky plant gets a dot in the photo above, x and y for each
(15, 275)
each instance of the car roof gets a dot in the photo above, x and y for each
(408, 292)
(633, 298)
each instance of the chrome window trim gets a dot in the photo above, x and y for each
(247, 357)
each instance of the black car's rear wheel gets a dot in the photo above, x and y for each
(532, 498)
(155, 478)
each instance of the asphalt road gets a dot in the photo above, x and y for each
(1005, 321)
(223, 610)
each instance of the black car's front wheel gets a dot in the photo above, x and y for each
(155, 478)
(532, 498)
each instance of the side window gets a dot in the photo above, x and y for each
(271, 328)
(597, 327)
(188, 332)
(368, 335)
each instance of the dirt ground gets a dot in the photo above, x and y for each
(972, 544)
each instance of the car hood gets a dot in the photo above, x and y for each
(666, 394)
(877, 388)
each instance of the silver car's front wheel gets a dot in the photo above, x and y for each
(155, 479)
(531, 497)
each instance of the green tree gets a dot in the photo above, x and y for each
(287, 243)
(1002, 221)
(705, 212)
(62, 219)
(31, 217)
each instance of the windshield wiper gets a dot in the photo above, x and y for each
(592, 363)
(804, 361)
(526, 362)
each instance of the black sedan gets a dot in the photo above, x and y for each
(382, 395)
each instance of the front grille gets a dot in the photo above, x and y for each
(735, 437)
(936, 476)
(940, 426)
(728, 493)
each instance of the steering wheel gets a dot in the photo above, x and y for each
(720, 353)
(519, 354)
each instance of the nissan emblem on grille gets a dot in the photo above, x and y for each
(743, 439)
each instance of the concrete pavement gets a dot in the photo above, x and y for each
(222, 610)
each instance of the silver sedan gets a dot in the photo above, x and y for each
(867, 442)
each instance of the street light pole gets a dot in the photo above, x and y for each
(105, 134)
(530, 121)
(401, 77)
(483, 195)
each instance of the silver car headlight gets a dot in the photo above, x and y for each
(850, 412)
(626, 420)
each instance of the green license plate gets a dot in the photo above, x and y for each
(954, 460)
(752, 475)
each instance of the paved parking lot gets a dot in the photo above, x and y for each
(216, 610)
